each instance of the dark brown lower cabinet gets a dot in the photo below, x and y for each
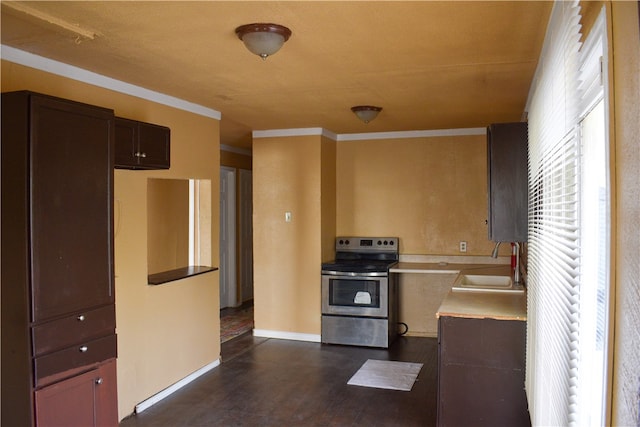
(481, 372)
(87, 399)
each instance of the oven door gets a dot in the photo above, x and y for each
(355, 295)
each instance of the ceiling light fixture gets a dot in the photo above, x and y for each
(366, 113)
(263, 39)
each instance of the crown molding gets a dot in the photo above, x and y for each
(293, 132)
(367, 136)
(69, 71)
(411, 134)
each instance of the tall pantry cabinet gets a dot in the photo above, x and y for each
(58, 312)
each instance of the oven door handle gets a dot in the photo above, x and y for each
(354, 274)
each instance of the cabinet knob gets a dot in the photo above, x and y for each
(81, 318)
(98, 381)
(83, 349)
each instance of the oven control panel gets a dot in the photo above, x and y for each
(367, 243)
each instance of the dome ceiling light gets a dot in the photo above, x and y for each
(366, 113)
(263, 39)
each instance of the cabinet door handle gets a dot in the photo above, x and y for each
(98, 381)
(84, 349)
(81, 318)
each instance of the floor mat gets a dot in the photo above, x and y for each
(236, 324)
(386, 374)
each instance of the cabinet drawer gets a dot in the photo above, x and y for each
(79, 355)
(74, 329)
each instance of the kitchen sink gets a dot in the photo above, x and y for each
(486, 283)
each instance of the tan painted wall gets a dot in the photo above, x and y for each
(167, 224)
(626, 99)
(235, 160)
(430, 192)
(287, 255)
(164, 332)
(420, 297)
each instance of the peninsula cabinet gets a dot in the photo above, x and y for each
(507, 181)
(481, 372)
(58, 312)
(141, 145)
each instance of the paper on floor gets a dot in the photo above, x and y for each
(386, 374)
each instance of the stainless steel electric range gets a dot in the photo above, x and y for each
(359, 296)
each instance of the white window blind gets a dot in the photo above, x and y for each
(568, 266)
(553, 267)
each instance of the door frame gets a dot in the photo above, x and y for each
(228, 280)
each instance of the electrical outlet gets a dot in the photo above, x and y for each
(463, 246)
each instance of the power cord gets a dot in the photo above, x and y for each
(406, 328)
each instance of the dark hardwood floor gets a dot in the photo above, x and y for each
(271, 382)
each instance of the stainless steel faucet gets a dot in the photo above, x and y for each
(494, 254)
(516, 272)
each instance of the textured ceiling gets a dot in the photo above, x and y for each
(430, 65)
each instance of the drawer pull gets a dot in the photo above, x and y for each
(84, 349)
(98, 381)
(81, 318)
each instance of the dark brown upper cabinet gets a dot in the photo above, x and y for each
(141, 145)
(57, 185)
(507, 182)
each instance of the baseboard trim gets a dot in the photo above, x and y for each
(145, 404)
(294, 336)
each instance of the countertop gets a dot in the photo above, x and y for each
(485, 305)
(471, 304)
(446, 267)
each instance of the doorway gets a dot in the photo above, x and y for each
(227, 237)
(236, 252)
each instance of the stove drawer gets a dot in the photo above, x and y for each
(359, 331)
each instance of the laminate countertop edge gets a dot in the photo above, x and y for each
(442, 267)
(484, 305)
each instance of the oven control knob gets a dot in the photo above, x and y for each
(379, 242)
(391, 242)
(346, 242)
(341, 242)
(386, 243)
